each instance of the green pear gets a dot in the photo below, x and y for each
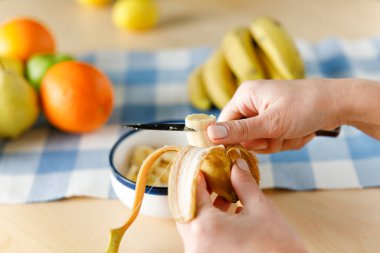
(13, 64)
(18, 104)
(38, 65)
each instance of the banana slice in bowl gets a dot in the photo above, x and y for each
(125, 165)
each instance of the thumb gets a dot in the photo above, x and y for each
(236, 131)
(244, 184)
(202, 196)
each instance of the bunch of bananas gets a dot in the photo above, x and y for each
(264, 50)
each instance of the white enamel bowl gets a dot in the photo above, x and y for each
(155, 201)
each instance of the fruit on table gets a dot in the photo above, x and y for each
(135, 15)
(76, 97)
(278, 47)
(263, 50)
(18, 104)
(38, 64)
(95, 3)
(241, 55)
(12, 64)
(197, 91)
(219, 80)
(22, 37)
(215, 162)
(270, 70)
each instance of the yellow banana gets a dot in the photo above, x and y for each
(219, 80)
(197, 91)
(241, 56)
(278, 47)
(270, 71)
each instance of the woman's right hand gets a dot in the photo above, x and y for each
(271, 116)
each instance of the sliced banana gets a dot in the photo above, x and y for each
(200, 123)
(132, 172)
(140, 153)
(157, 170)
(168, 157)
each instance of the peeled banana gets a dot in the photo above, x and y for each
(215, 162)
(241, 55)
(197, 91)
(199, 122)
(219, 80)
(278, 47)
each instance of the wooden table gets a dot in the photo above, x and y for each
(329, 221)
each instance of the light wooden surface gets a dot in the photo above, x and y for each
(329, 221)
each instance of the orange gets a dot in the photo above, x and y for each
(22, 37)
(76, 97)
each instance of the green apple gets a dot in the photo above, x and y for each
(38, 65)
(12, 64)
(18, 104)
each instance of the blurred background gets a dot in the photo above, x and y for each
(191, 23)
(140, 55)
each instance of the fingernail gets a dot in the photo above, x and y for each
(218, 131)
(263, 145)
(242, 164)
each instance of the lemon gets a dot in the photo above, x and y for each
(95, 3)
(135, 14)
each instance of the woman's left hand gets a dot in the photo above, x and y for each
(256, 227)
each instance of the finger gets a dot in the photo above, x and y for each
(295, 144)
(244, 184)
(230, 112)
(265, 125)
(183, 228)
(203, 197)
(256, 144)
(274, 146)
(221, 204)
(239, 106)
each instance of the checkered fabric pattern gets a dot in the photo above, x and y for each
(46, 164)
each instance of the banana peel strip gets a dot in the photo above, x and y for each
(117, 233)
(236, 151)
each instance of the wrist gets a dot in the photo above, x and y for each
(347, 100)
(357, 98)
(343, 95)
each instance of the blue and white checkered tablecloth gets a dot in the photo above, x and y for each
(46, 164)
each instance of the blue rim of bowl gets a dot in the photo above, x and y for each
(154, 190)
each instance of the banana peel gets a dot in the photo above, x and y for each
(215, 162)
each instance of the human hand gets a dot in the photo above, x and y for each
(256, 227)
(272, 116)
